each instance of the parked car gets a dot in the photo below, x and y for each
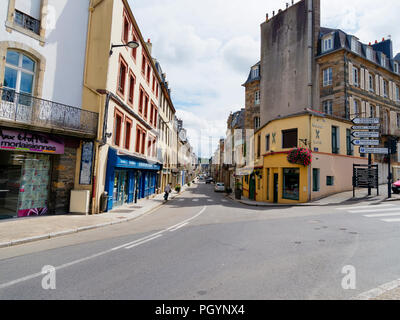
(209, 180)
(219, 187)
(396, 187)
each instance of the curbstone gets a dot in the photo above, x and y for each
(30, 239)
(5, 244)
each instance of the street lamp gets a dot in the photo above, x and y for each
(130, 44)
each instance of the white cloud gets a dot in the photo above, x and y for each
(207, 48)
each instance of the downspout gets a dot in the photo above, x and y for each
(310, 82)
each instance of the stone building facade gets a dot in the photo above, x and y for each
(253, 98)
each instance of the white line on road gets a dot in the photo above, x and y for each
(382, 215)
(178, 227)
(391, 220)
(144, 241)
(365, 207)
(63, 266)
(375, 210)
(195, 200)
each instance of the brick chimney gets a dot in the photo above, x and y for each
(149, 46)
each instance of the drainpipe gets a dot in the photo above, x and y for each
(310, 82)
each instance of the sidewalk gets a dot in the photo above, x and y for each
(336, 199)
(22, 230)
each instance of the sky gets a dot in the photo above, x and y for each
(207, 48)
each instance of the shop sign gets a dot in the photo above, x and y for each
(14, 140)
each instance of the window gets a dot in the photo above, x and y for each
(155, 117)
(355, 77)
(383, 60)
(316, 175)
(327, 44)
(327, 106)
(398, 120)
(396, 67)
(385, 88)
(257, 98)
(144, 65)
(123, 69)
(255, 72)
(256, 122)
(335, 140)
(370, 54)
(371, 83)
(372, 111)
(128, 130)
(146, 106)
(397, 93)
(330, 181)
(356, 108)
(258, 146)
(327, 76)
(131, 88)
(27, 22)
(148, 74)
(141, 100)
(117, 127)
(154, 83)
(355, 45)
(289, 139)
(291, 184)
(134, 51)
(140, 140)
(349, 145)
(19, 76)
(125, 34)
(267, 142)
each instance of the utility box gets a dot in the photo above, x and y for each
(80, 202)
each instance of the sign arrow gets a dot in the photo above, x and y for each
(374, 150)
(366, 121)
(365, 142)
(365, 128)
(365, 134)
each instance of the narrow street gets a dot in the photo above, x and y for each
(203, 245)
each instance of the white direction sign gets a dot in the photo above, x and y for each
(365, 128)
(366, 121)
(365, 134)
(366, 142)
(374, 150)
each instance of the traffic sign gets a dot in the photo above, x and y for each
(366, 142)
(366, 120)
(365, 134)
(374, 150)
(365, 128)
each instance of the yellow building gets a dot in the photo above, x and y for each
(276, 180)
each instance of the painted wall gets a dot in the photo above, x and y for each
(64, 48)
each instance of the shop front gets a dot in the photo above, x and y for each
(25, 172)
(129, 179)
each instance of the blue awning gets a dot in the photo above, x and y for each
(129, 162)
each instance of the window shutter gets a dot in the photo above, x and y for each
(367, 80)
(390, 90)
(368, 109)
(362, 79)
(381, 87)
(352, 109)
(377, 86)
(351, 73)
(363, 111)
(393, 122)
(377, 112)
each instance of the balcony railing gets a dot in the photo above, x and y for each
(29, 110)
(27, 22)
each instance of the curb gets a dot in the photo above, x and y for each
(80, 229)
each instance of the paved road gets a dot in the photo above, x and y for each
(205, 246)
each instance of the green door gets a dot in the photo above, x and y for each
(252, 188)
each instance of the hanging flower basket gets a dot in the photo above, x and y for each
(300, 156)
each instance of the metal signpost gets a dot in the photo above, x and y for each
(366, 176)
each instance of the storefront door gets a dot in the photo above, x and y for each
(121, 188)
(10, 180)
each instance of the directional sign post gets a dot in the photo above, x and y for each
(365, 128)
(366, 121)
(374, 150)
(365, 134)
(366, 142)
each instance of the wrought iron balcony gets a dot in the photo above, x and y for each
(28, 110)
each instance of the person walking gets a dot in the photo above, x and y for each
(167, 191)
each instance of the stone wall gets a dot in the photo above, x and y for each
(251, 109)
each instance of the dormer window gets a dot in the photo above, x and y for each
(383, 60)
(327, 43)
(255, 72)
(370, 54)
(396, 67)
(355, 45)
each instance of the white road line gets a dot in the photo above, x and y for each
(210, 200)
(139, 243)
(371, 294)
(195, 200)
(366, 207)
(178, 227)
(382, 215)
(142, 240)
(375, 210)
(391, 220)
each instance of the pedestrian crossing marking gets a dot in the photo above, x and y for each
(391, 220)
(375, 210)
(378, 215)
(384, 211)
(366, 207)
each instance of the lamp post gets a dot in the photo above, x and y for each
(130, 44)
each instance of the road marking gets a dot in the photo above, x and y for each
(375, 210)
(378, 215)
(179, 226)
(374, 293)
(366, 207)
(391, 220)
(223, 200)
(195, 200)
(63, 266)
(144, 241)
(210, 200)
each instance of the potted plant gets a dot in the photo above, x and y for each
(238, 190)
(178, 188)
(300, 156)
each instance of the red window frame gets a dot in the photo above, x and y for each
(134, 51)
(146, 105)
(121, 78)
(132, 83)
(128, 132)
(144, 64)
(154, 83)
(126, 26)
(118, 122)
(157, 86)
(141, 99)
(151, 112)
(140, 139)
(155, 117)
(148, 74)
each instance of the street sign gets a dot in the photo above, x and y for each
(365, 134)
(365, 128)
(366, 120)
(365, 176)
(366, 142)
(374, 150)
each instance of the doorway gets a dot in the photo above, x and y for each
(121, 188)
(276, 187)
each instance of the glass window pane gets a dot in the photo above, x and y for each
(12, 58)
(26, 83)
(28, 63)
(10, 78)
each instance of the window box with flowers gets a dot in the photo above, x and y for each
(300, 156)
